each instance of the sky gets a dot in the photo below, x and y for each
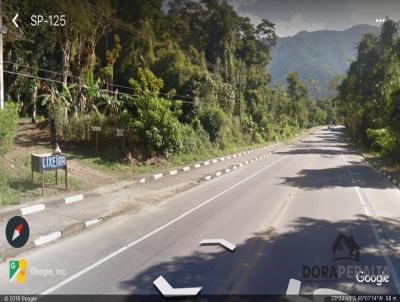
(292, 16)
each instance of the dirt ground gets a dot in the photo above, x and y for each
(34, 138)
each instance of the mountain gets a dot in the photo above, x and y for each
(318, 55)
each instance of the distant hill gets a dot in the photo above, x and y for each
(319, 54)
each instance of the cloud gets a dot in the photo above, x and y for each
(255, 20)
(368, 11)
(292, 16)
(238, 4)
(287, 25)
(241, 3)
(295, 24)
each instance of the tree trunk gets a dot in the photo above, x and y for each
(66, 58)
(53, 132)
(34, 100)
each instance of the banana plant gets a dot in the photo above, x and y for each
(110, 104)
(93, 91)
(65, 97)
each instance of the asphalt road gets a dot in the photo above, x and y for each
(283, 213)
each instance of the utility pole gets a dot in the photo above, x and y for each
(2, 30)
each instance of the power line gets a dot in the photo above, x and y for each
(127, 27)
(83, 86)
(34, 77)
(40, 69)
(115, 20)
(83, 79)
(121, 24)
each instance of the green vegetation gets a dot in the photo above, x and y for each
(16, 180)
(369, 96)
(127, 169)
(182, 83)
(8, 126)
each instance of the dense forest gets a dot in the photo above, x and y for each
(369, 96)
(178, 76)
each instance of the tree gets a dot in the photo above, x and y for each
(297, 92)
(111, 57)
(156, 123)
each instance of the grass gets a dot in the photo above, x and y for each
(15, 169)
(16, 180)
(388, 166)
(129, 169)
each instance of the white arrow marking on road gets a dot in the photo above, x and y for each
(222, 242)
(293, 292)
(168, 291)
(14, 20)
(156, 231)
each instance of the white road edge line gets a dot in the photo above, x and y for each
(33, 209)
(374, 230)
(137, 241)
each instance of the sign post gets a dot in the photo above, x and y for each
(121, 133)
(96, 129)
(47, 162)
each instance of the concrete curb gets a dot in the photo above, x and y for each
(30, 209)
(80, 226)
(74, 198)
(34, 208)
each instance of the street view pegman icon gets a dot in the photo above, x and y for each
(17, 268)
(17, 231)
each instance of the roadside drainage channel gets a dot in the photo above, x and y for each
(80, 226)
